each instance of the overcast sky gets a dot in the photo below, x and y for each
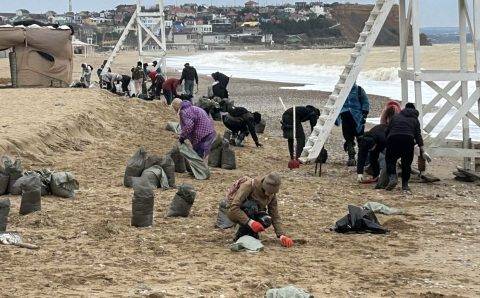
(435, 13)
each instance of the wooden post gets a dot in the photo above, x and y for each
(462, 12)
(162, 34)
(417, 57)
(404, 24)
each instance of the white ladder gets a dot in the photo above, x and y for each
(330, 112)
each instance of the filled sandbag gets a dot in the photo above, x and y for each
(199, 169)
(156, 176)
(63, 184)
(4, 178)
(153, 160)
(168, 167)
(31, 188)
(45, 176)
(173, 127)
(260, 127)
(223, 221)
(215, 156)
(182, 202)
(135, 167)
(14, 170)
(228, 157)
(178, 160)
(142, 203)
(4, 211)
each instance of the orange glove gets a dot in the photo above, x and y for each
(256, 226)
(286, 242)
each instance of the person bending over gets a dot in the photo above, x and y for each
(303, 114)
(403, 133)
(254, 207)
(170, 89)
(242, 122)
(196, 126)
(370, 146)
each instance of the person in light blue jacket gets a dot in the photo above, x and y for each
(352, 118)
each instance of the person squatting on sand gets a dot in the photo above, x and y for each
(303, 114)
(170, 89)
(373, 143)
(242, 122)
(403, 133)
(86, 74)
(352, 118)
(219, 86)
(138, 76)
(196, 126)
(254, 207)
(190, 76)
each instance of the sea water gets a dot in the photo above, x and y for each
(320, 70)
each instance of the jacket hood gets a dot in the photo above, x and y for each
(410, 113)
(185, 104)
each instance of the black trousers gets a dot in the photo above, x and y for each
(400, 146)
(288, 134)
(349, 130)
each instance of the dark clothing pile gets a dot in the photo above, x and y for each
(303, 114)
(359, 220)
(370, 145)
(189, 73)
(241, 121)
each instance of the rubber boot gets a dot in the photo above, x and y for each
(405, 187)
(351, 156)
(392, 182)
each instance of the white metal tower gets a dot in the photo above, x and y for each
(439, 145)
(136, 24)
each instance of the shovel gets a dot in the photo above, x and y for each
(294, 163)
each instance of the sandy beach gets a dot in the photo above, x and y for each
(88, 248)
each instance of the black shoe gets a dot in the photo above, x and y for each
(351, 162)
(405, 187)
(392, 182)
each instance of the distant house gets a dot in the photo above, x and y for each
(123, 13)
(50, 13)
(251, 4)
(186, 37)
(300, 5)
(221, 25)
(252, 28)
(203, 29)
(318, 10)
(289, 10)
(215, 39)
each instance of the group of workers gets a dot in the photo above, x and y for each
(393, 139)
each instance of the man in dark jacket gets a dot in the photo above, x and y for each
(242, 122)
(403, 133)
(370, 145)
(353, 117)
(219, 87)
(303, 114)
(190, 76)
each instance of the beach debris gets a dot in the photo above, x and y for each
(12, 238)
(383, 209)
(142, 203)
(289, 291)
(359, 220)
(182, 201)
(247, 243)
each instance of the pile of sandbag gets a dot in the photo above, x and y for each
(221, 155)
(4, 211)
(60, 184)
(182, 201)
(31, 188)
(158, 171)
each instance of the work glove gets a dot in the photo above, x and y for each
(286, 241)
(359, 178)
(255, 226)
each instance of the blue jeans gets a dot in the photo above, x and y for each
(189, 87)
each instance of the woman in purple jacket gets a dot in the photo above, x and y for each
(196, 126)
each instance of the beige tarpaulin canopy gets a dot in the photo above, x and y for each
(43, 56)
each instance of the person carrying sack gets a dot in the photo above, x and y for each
(253, 205)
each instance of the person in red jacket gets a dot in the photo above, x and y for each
(170, 89)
